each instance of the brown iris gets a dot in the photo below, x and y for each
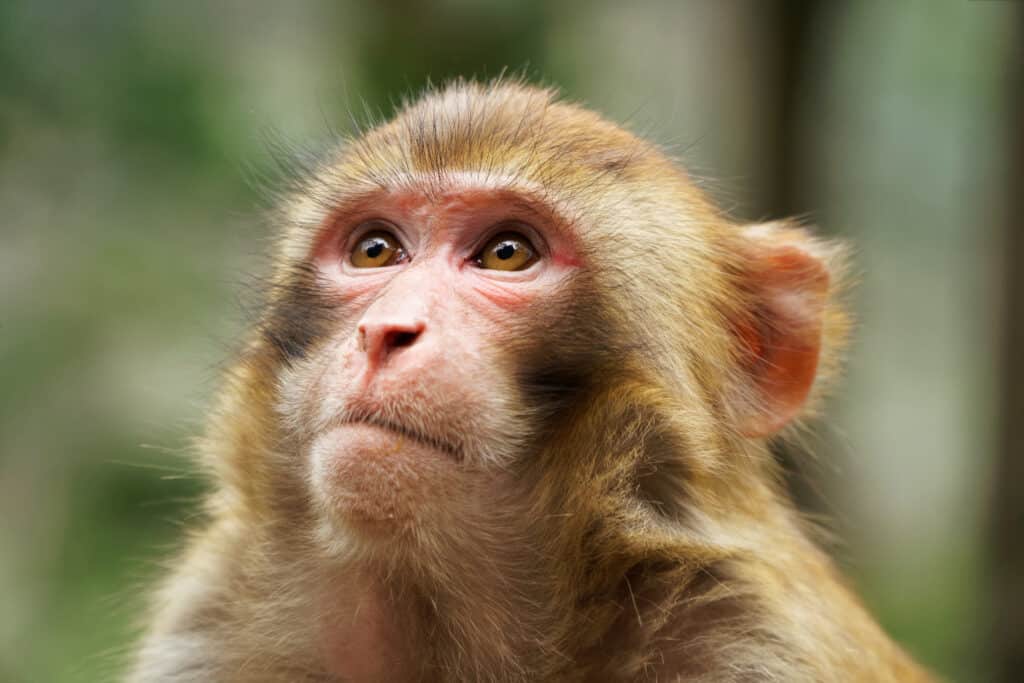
(377, 249)
(507, 251)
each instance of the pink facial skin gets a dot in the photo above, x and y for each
(443, 234)
(409, 392)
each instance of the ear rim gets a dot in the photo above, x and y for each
(781, 329)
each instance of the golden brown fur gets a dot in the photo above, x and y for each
(639, 532)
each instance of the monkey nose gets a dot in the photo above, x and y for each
(379, 339)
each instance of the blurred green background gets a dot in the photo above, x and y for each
(130, 237)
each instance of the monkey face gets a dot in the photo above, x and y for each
(406, 404)
(453, 284)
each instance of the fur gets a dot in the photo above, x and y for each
(640, 533)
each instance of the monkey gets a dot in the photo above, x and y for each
(506, 416)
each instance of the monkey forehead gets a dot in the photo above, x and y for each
(458, 195)
(502, 126)
(501, 131)
(456, 192)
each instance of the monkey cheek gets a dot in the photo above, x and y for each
(366, 478)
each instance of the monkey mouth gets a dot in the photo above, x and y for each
(431, 441)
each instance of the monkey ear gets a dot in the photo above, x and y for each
(786, 281)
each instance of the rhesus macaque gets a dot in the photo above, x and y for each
(505, 418)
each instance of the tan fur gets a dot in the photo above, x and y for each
(643, 538)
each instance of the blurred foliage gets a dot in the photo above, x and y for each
(130, 135)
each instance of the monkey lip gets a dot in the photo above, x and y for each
(433, 442)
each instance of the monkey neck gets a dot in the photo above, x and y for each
(476, 611)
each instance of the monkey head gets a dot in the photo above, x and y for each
(496, 294)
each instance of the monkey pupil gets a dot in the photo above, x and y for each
(375, 249)
(505, 251)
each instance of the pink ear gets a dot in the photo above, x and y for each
(781, 337)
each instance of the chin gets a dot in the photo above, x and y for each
(378, 482)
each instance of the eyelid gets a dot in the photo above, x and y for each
(364, 228)
(533, 236)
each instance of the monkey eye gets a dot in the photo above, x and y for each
(377, 249)
(507, 251)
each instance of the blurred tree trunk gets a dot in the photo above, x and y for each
(1007, 554)
(792, 25)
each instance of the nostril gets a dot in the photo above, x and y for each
(399, 339)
